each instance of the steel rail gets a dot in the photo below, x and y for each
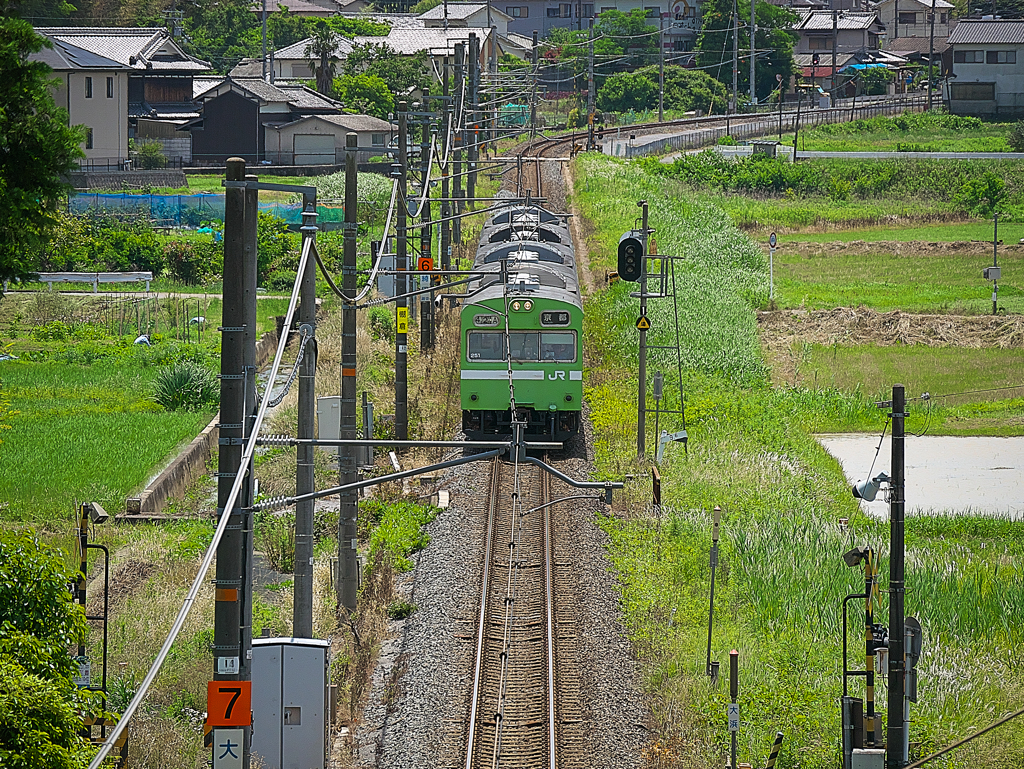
(549, 602)
(481, 625)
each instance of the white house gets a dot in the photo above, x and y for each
(466, 15)
(320, 139)
(910, 18)
(988, 68)
(94, 91)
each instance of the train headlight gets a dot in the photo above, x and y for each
(527, 305)
(516, 305)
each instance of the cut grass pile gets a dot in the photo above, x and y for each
(918, 280)
(84, 433)
(781, 574)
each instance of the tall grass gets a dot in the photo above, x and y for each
(84, 433)
(781, 578)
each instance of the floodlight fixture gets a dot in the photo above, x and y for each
(855, 556)
(868, 490)
(96, 512)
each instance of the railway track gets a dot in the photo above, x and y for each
(515, 709)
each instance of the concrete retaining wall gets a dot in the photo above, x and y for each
(189, 464)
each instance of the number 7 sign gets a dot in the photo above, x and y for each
(229, 703)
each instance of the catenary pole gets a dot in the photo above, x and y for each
(446, 206)
(931, 55)
(897, 587)
(661, 67)
(303, 585)
(229, 584)
(459, 136)
(249, 280)
(401, 265)
(473, 63)
(590, 87)
(735, 57)
(753, 53)
(348, 566)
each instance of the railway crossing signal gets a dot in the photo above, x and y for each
(631, 256)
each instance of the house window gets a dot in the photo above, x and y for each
(607, 8)
(1000, 57)
(819, 43)
(110, 88)
(908, 17)
(678, 45)
(88, 136)
(565, 10)
(968, 57)
(872, 40)
(652, 13)
(943, 18)
(377, 140)
(88, 87)
(553, 13)
(972, 91)
(588, 10)
(518, 11)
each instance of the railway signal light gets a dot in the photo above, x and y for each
(631, 256)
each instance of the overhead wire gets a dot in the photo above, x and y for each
(218, 534)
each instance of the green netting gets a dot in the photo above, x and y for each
(187, 210)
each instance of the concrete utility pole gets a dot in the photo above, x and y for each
(473, 117)
(735, 57)
(459, 137)
(641, 399)
(230, 629)
(590, 88)
(897, 665)
(536, 74)
(302, 611)
(401, 265)
(661, 68)
(426, 300)
(931, 55)
(446, 206)
(348, 565)
(249, 280)
(835, 50)
(753, 53)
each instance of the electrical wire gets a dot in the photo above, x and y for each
(879, 447)
(928, 396)
(204, 567)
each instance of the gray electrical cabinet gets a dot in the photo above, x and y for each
(289, 702)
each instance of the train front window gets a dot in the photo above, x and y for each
(486, 345)
(523, 345)
(558, 346)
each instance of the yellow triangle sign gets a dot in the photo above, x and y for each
(643, 324)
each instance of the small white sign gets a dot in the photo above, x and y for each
(732, 710)
(227, 748)
(227, 666)
(772, 240)
(84, 678)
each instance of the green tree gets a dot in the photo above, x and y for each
(424, 5)
(399, 72)
(364, 94)
(623, 32)
(774, 36)
(323, 48)
(222, 32)
(37, 150)
(627, 91)
(40, 706)
(687, 89)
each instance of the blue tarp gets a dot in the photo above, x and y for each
(878, 65)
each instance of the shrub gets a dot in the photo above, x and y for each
(193, 262)
(625, 91)
(150, 155)
(186, 386)
(274, 536)
(273, 242)
(981, 197)
(838, 189)
(281, 280)
(401, 609)
(1016, 137)
(382, 323)
(575, 118)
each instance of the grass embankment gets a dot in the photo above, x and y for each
(764, 194)
(910, 132)
(781, 579)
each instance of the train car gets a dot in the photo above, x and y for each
(532, 293)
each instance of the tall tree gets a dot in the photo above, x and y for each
(774, 43)
(323, 47)
(399, 72)
(37, 150)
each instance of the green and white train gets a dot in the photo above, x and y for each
(524, 316)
